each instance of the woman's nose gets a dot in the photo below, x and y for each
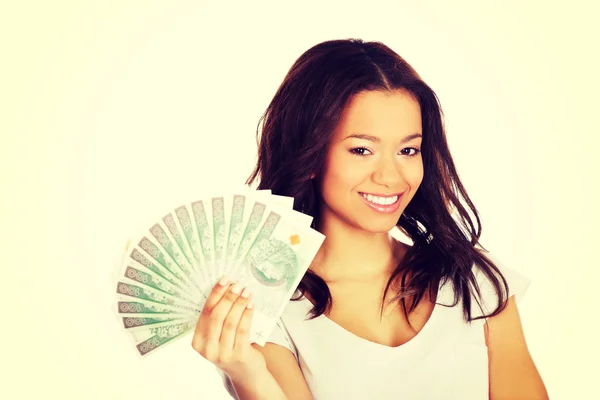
(388, 172)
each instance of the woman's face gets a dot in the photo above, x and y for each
(374, 165)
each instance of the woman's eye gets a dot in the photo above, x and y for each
(363, 151)
(417, 151)
(359, 151)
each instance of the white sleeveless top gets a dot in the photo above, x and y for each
(446, 360)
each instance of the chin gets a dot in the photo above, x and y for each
(374, 226)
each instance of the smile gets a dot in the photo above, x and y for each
(381, 203)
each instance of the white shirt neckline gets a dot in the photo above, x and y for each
(419, 345)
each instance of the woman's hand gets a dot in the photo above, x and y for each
(222, 334)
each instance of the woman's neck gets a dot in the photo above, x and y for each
(351, 254)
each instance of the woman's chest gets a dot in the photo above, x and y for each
(360, 313)
(445, 360)
(448, 372)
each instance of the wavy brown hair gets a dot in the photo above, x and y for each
(297, 128)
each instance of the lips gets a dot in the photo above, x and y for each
(382, 203)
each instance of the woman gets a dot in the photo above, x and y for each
(357, 138)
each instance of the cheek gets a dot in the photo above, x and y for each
(340, 177)
(414, 176)
(345, 169)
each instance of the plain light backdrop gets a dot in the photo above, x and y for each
(115, 111)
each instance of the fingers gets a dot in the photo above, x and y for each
(242, 339)
(207, 316)
(219, 313)
(232, 321)
(216, 330)
(215, 295)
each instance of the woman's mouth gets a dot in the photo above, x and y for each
(382, 203)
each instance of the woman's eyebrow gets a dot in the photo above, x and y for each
(375, 139)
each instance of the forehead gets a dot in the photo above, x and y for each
(380, 113)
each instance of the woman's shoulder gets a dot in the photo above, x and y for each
(293, 313)
(517, 282)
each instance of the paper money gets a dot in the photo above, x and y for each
(151, 340)
(192, 239)
(236, 205)
(250, 236)
(200, 217)
(219, 233)
(273, 266)
(151, 280)
(142, 308)
(249, 233)
(141, 323)
(136, 291)
(153, 253)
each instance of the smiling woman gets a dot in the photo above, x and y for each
(378, 169)
(357, 138)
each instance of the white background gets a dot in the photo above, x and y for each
(115, 111)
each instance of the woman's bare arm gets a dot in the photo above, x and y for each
(260, 386)
(282, 380)
(513, 374)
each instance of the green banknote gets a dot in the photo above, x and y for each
(137, 291)
(283, 201)
(240, 207)
(149, 279)
(180, 227)
(250, 230)
(174, 250)
(139, 259)
(219, 235)
(250, 236)
(272, 267)
(141, 323)
(150, 340)
(162, 261)
(192, 239)
(203, 222)
(143, 308)
(253, 216)
(236, 224)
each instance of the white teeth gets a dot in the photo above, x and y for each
(384, 201)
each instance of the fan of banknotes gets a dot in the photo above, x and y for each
(168, 270)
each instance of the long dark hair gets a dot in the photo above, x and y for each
(296, 131)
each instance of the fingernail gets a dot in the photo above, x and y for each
(236, 288)
(246, 292)
(223, 281)
(250, 304)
